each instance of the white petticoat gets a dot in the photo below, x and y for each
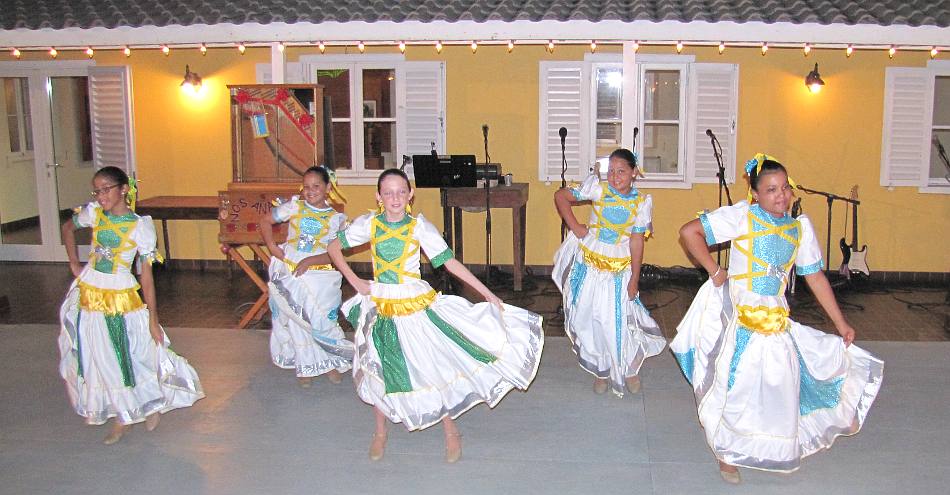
(305, 335)
(611, 334)
(767, 401)
(445, 380)
(163, 379)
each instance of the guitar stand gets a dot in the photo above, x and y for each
(830, 199)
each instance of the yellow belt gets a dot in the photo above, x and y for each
(404, 306)
(604, 263)
(109, 301)
(293, 266)
(762, 319)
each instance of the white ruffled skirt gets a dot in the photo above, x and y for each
(767, 401)
(97, 388)
(305, 335)
(436, 361)
(611, 334)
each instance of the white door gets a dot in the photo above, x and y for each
(49, 152)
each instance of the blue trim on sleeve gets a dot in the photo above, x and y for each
(273, 216)
(707, 229)
(809, 269)
(639, 230)
(576, 193)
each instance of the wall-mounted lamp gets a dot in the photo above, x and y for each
(192, 81)
(813, 80)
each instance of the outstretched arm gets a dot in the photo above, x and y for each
(820, 287)
(267, 233)
(695, 241)
(69, 240)
(335, 250)
(562, 202)
(458, 269)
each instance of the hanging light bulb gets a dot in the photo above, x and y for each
(765, 48)
(551, 46)
(438, 47)
(191, 82)
(361, 47)
(813, 80)
(165, 50)
(679, 47)
(322, 46)
(636, 46)
(242, 48)
(722, 47)
(593, 46)
(806, 49)
(934, 52)
(16, 53)
(849, 51)
(52, 52)
(402, 47)
(474, 46)
(127, 51)
(511, 45)
(90, 52)
(891, 51)
(203, 49)
(280, 47)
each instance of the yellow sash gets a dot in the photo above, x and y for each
(404, 306)
(762, 319)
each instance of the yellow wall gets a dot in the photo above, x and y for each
(830, 141)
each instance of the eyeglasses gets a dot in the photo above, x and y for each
(103, 190)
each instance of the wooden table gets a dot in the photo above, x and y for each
(167, 208)
(514, 196)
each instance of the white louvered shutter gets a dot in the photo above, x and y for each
(424, 109)
(908, 115)
(110, 113)
(713, 104)
(563, 93)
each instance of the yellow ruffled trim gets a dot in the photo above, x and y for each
(404, 306)
(109, 301)
(604, 263)
(293, 266)
(763, 320)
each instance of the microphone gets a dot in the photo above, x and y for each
(709, 133)
(563, 133)
(938, 144)
(485, 130)
(636, 131)
(435, 154)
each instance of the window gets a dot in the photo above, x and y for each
(383, 109)
(16, 96)
(916, 127)
(667, 101)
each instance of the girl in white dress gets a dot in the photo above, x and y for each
(304, 288)
(769, 390)
(115, 357)
(423, 357)
(597, 269)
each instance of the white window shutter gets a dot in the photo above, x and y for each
(713, 104)
(424, 109)
(563, 93)
(908, 117)
(293, 72)
(110, 113)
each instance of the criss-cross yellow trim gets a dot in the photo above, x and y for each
(402, 233)
(322, 217)
(748, 250)
(632, 205)
(104, 223)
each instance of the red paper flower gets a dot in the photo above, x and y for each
(242, 96)
(305, 119)
(282, 94)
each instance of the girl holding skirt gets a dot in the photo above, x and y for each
(597, 270)
(115, 357)
(424, 357)
(769, 390)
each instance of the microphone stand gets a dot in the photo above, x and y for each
(487, 213)
(563, 182)
(830, 198)
(943, 156)
(721, 175)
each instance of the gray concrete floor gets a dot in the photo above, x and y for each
(257, 432)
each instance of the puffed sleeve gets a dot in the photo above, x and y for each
(357, 233)
(643, 223)
(283, 212)
(433, 245)
(723, 224)
(146, 241)
(337, 223)
(85, 216)
(809, 259)
(590, 189)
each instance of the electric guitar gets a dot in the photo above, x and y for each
(852, 258)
